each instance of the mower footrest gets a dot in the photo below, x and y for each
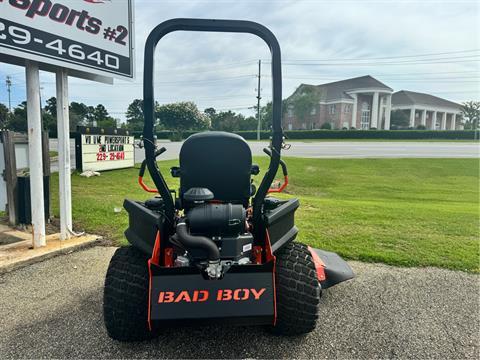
(337, 270)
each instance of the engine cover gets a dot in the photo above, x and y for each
(217, 220)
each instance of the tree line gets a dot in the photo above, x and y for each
(183, 116)
(178, 117)
(80, 114)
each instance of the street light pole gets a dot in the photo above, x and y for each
(9, 85)
(258, 99)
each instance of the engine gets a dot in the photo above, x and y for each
(212, 232)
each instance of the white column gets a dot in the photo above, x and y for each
(63, 126)
(374, 119)
(35, 153)
(452, 124)
(412, 117)
(444, 121)
(354, 111)
(434, 120)
(388, 111)
(424, 117)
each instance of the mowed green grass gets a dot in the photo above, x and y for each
(408, 212)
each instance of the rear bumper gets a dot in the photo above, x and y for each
(331, 268)
(245, 295)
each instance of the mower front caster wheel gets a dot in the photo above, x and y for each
(125, 296)
(298, 291)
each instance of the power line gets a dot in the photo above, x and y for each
(385, 77)
(235, 107)
(388, 57)
(410, 62)
(446, 81)
(206, 68)
(429, 73)
(175, 82)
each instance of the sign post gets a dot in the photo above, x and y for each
(63, 126)
(87, 39)
(35, 153)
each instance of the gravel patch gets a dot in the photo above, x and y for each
(53, 309)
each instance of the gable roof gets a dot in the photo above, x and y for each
(338, 89)
(405, 97)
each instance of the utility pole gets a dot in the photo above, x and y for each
(258, 99)
(9, 85)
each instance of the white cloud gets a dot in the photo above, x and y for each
(306, 30)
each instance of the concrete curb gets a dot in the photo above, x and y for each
(14, 258)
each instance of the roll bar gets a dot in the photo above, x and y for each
(207, 25)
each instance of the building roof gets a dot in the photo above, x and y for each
(405, 97)
(339, 89)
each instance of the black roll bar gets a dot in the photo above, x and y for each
(207, 25)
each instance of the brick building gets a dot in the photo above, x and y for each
(360, 103)
(430, 111)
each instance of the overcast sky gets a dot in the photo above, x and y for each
(321, 41)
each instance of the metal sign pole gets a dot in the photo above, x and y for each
(35, 153)
(63, 129)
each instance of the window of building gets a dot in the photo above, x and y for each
(331, 109)
(313, 111)
(290, 112)
(347, 109)
(289, 126)
(365, 119)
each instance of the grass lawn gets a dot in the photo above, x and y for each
(408, 212)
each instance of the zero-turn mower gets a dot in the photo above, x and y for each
(222, 251)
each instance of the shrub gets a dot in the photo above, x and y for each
(347, 134)
(326, 126)
(175, 136)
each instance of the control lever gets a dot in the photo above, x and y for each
(142, 171)
(284, 171)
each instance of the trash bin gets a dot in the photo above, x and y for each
(24, 199)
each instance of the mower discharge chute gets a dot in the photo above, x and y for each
(223, 250)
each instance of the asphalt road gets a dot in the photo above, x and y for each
(334, 149)
(352, 149)
(53, 309)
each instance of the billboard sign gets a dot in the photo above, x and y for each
(91, 36)
(100, 149)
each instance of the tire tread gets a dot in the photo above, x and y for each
(125, 297)
(298, 291)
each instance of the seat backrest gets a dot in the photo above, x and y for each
(218, 161)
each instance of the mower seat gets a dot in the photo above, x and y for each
(218, 161)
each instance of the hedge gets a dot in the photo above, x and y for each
(356, 134)
(383, 134)
(342, 134)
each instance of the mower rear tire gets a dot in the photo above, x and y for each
(298, 291)
(125, 297)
